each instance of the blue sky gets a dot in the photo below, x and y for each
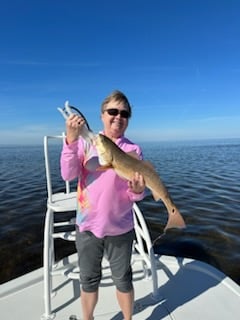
(178, 61)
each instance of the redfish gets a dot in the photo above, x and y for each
(125, 165)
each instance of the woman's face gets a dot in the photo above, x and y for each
(115, 123)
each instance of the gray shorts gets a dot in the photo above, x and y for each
(90, 253)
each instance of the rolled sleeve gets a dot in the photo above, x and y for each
(135, 196)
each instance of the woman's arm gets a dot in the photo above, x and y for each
(71, 160)
(73, 150)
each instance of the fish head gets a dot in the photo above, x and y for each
(103, 149)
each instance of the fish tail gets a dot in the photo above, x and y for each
(175, 219)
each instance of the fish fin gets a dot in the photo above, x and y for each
(155, 196)
(103, 168)
(175, 220)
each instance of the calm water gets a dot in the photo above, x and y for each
(203, 179)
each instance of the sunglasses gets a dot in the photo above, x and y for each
(114, 112)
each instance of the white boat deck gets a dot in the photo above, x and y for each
(188, 289)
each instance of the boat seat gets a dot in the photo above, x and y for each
(65, 201)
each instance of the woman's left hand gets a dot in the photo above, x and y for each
(137, 183)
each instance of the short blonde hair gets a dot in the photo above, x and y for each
(117, 95)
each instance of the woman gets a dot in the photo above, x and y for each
(104, 215)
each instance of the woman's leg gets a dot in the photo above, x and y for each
(119, 252)
(90, 252)
(88, 301)
(126, 301)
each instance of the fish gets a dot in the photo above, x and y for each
(126, 165)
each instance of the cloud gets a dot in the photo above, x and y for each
(26, 135)
(50, 63)
(223, 119)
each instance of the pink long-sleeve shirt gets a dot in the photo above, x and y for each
(104, 201)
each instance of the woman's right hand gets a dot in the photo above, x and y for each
(74, 125)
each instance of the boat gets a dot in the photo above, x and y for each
(166, 287)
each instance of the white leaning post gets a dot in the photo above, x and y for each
(144, 240)
(56, 202)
